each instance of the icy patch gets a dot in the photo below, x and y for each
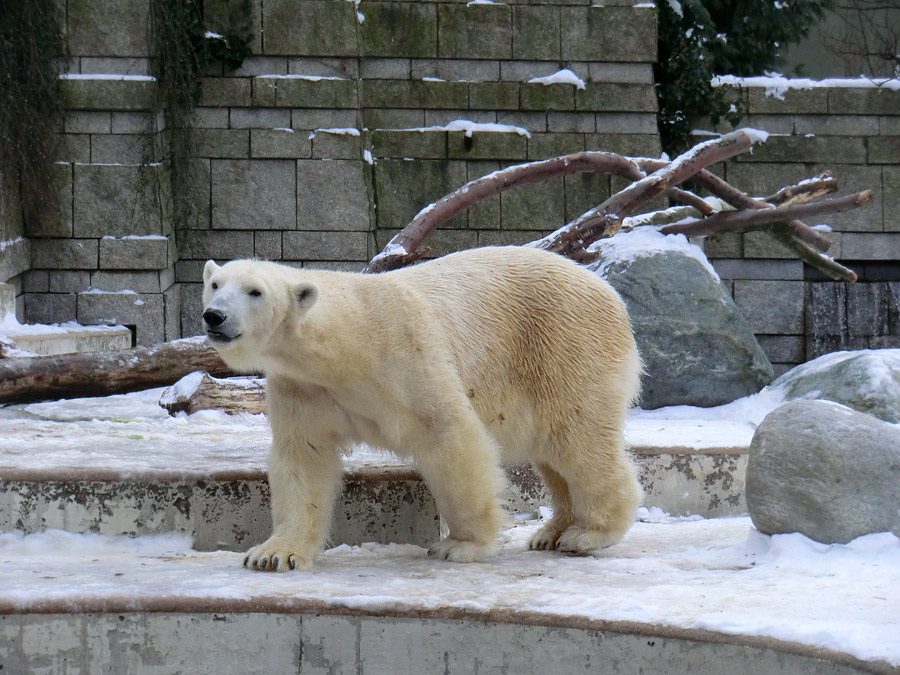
(564, 76)
(624, 247)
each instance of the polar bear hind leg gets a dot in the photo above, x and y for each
(561, 502)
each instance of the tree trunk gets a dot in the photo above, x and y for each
(40, 378)
(199, 391)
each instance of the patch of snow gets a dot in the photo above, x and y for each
(10, 327)
(717, 574)
(433, 79)
(97, 291)
(564, 76)
(209, 35)
(338, 131)
(285, 129)
(756, 135)
(675, 6)
(106, 76)
(183, 389)
(9, 242)
(642, 242)
(293, 76)
(776, 85)
(470, 127)
(367, 156)
(471, 3)
(138, 236)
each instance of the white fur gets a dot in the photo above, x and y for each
(496, 353)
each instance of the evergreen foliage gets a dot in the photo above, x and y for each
(699, 39)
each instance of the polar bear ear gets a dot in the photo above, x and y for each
(209, 269)
(306, 293)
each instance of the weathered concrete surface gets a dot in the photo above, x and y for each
(170, 643)
(86, 339)
(232, 515)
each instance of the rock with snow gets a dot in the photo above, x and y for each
(867, 380)
(826, 471)
(696, 346)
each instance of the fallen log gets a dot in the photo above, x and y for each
(200, 391)
(40, 378)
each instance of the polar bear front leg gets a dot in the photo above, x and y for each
(304, 476)
(463, 473)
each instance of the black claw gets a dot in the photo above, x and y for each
(263, 563)
(292, 562)
(275, 562)
(246, 560)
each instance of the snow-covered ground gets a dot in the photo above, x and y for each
(719, 575)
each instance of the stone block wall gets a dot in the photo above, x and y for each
(797, 312)
(326, 141)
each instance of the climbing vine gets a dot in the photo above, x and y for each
(184, 51)
(31, 103)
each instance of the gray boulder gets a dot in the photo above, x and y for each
(826, 471)
(696, 346)
(866, 380)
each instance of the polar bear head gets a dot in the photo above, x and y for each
(247, 302)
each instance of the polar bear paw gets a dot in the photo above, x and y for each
(277, 555)
(581, 540)
(458, 550)
(544, 539)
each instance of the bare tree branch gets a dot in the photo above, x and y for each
(806, 190)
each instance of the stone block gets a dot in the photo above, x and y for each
(509, 237)
(870, 246)
(312, 118)
(96, 94)
(399, 144)
(440, 118)
(595, 33)
(325, 67)
(68, 281)
(259, 118)
(310, 27)
(327, 145)
(266, 246)
(771, 307)
(127, 65)
(134, 253)
(414, 94)
(191, 271)
(263, 90)
(759, 269)
(889, 125)
(487, 145)
(614, 97)
(74, 148)
(792, 101)
(384, 68)
(50, 307)
(332, 196)
(725, 245)
(535, 96)
(813, 149)
(205, 244)
(583, 191)
(633, 73)
(441, 242)
(139, 282)
(470, 70)
(254, 194)
(191, 309)
(884, 150)
(544, 146)
(630, 145)
(522, 71)
(57, 221)
(834, 125)
(144, 311)
(131, 123)
(116, 200)
(485, 213)
(399, 29)
(279, 143)
(172, 313)
(108, 27)
(297, 92)
(403, 188)
(87, 122)
(625, 123)
(225, 92)
(867, 309)
(71, 254)
(36, 281)
(863, 101)
(785, 349)
(235, 16)
(222, 143)
(763, 245)
(198, 184)
(571, 122)
(537, 206)
(535, 122)
(890, 190)
(352, 246)
(122, 149)
(535, 32)
(474, 31)
(494, 95)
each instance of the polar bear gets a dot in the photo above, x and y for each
(495, 354)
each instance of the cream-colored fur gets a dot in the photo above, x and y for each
(492, 353)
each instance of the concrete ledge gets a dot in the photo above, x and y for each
(86, 339)
(324, 639)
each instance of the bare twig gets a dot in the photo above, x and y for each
(811, 188)
(812, 257)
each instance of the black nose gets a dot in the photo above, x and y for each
(213, 318)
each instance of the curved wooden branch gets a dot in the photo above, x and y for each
(812, 257)
(811, 188)
(748, 220)
(403, 249)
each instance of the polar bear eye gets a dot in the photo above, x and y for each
(215, 286)
(255, 293)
